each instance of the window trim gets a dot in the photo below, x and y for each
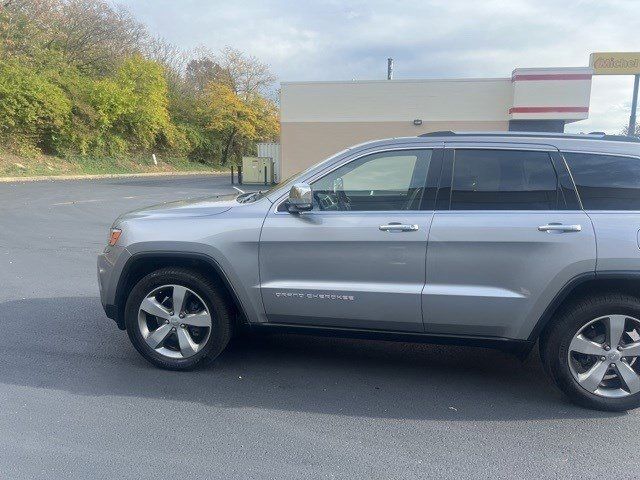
(575, 185)
(444, 204)
(566, 180)
(437, 150)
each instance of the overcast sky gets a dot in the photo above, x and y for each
(351, 39)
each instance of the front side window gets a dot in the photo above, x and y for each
(503, 180)
(606, 182)
(380, 181)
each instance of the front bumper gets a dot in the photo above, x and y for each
(110, 264)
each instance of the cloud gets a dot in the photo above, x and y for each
(329, 40)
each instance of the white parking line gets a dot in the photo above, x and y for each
(93, 200)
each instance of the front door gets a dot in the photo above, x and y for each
(357, 260)
(508, 236)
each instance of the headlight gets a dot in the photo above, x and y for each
(114, 236)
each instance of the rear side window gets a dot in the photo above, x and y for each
(503, 180)
(606, 182)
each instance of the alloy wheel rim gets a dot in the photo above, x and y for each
(603, 356)
(174, 321)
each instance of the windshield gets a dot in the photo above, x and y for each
(281, 183)
(249, 197)
(292, 179)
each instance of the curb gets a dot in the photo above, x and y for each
(53, 178)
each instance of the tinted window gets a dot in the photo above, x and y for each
(381, 181)
(606, 182)
(503, 180)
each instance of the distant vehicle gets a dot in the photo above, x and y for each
(494, 240)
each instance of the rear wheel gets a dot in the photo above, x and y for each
(176, 318)
(592, 352)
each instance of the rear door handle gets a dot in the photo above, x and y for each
(556, 227)
(399, 227)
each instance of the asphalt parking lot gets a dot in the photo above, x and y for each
(76, 400)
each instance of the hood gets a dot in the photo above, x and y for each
(195, 207)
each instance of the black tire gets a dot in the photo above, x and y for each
(207, 290)
(555, 341)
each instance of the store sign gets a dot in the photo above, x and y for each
(615, 63)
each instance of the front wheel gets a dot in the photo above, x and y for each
(176, 318)
(592, 352)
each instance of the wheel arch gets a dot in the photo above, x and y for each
(585, 284)
(143, 263)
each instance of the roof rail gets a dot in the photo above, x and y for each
(622, 138)
(577, 136)
(441, 133)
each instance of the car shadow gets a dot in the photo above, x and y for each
(68, 344)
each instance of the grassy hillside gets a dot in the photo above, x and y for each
(15, 166)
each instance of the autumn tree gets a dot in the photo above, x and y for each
(245, 74)
(200, 72)
(90, 34)
(240, 120)
(233, 100)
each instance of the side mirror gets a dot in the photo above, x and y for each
(300, 198)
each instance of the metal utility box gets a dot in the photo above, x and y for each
(257, 170)
(271, 150)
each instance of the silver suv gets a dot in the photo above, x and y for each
(494, 240)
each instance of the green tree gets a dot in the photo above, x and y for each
(84, 77)
(146, 118)
(33, 110)
(124, 113)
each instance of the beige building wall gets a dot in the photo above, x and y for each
(306, 143)
(484, 99)
(319, 119)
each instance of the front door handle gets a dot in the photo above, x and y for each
(557, 227)
(399, 227)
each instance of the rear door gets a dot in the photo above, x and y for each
(508, 235)
(609, 188)
(357, 260)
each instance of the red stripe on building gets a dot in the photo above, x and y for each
(549, 110)
(552, 76)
